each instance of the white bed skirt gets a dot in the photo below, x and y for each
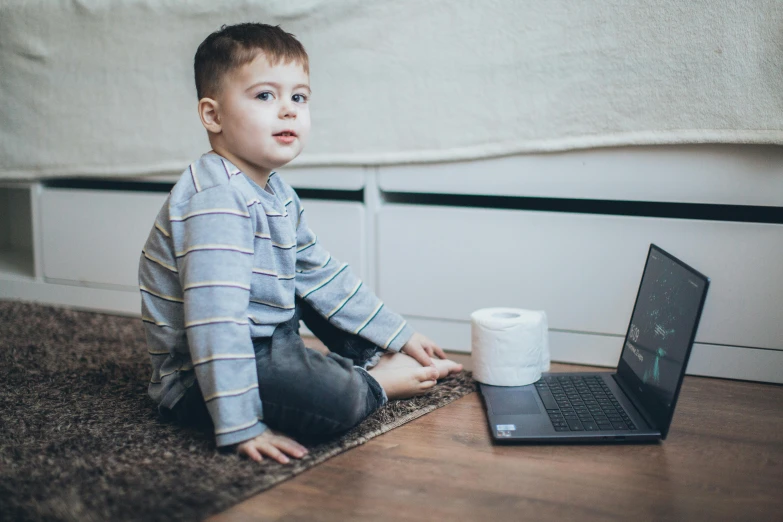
(92, 87)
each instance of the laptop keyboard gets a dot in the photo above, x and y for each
(578, 403)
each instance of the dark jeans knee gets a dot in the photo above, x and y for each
(312, 421)
(306, 394)
(307, 423)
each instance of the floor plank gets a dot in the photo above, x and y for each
(723, 460)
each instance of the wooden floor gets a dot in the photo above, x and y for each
(723, 460)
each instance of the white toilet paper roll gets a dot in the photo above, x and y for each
(510, 347)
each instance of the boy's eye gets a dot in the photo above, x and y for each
(264, 96)
(299, 98)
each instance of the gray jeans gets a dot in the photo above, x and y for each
(305, 394)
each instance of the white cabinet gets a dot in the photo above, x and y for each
(437, 262)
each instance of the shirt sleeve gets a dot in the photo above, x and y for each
(335, 292)
(213, 235)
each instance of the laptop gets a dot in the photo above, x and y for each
(637, 401)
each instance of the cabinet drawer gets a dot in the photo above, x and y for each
(583, 269)
(96, 236)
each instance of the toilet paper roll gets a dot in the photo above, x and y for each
(510, 347)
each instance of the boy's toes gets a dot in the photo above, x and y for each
(426, 385)
(448, 367)
(427, 373)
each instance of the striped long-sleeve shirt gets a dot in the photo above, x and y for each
(222, 265)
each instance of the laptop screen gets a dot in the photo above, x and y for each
(660, 336)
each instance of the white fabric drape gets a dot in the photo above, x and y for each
(97, 87)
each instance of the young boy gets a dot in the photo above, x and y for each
(231, 266)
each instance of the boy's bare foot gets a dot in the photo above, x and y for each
(402, 376)
(404, 382)
(400, 360)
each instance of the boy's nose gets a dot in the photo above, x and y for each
(288, 110)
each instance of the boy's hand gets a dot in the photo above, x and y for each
(272, 445)
(422, 349)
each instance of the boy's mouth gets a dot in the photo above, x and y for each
(285, 137)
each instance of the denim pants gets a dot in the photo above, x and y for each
(305, 394)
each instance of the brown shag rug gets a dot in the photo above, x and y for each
(80, 439)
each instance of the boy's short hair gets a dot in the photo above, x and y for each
(236, 45)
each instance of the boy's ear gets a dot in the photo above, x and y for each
(208, 112)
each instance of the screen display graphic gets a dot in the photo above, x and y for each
(662, 325)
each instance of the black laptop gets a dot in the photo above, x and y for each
(636, 403)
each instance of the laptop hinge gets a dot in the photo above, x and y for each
(637, 404)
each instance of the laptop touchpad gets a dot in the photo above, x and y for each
(511, 401)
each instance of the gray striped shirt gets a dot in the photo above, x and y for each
(222, 265)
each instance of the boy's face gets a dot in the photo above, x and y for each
(264, 114)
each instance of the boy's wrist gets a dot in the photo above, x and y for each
(402, 339)
(233, 439)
